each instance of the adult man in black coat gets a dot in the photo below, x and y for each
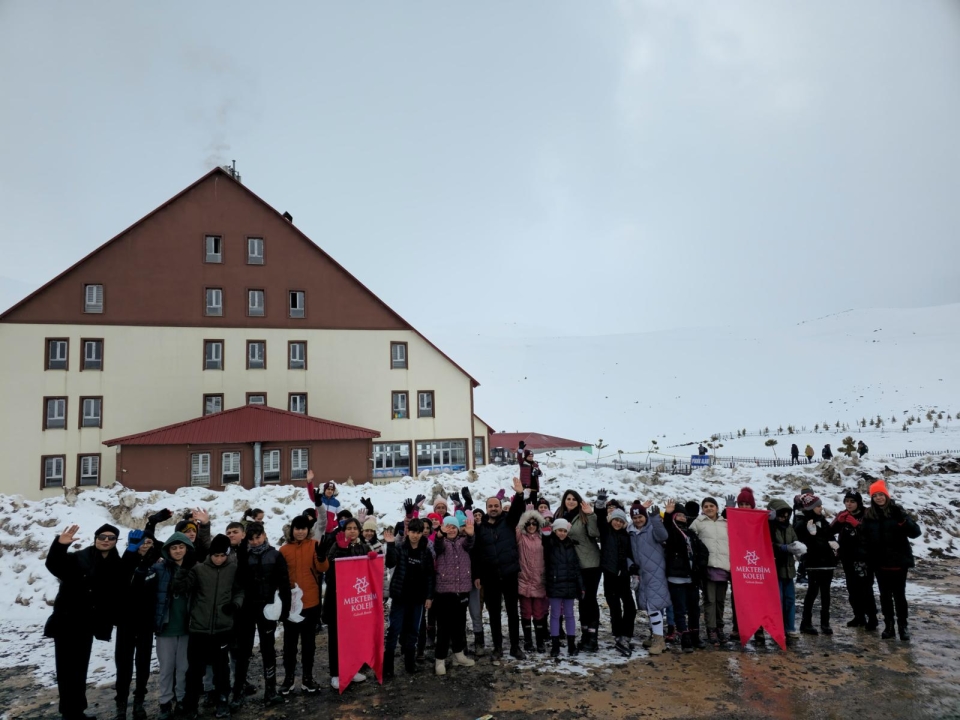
(86, 603)
(496, 568)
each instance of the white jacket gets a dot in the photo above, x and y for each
(713, 533)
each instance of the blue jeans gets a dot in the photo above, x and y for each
(404, 625)
(788, 604)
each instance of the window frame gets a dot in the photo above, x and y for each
(203, 249)
(290, 344)
(251, 343)
(83, 400)
(391, 471)
(46, 353)
(66, 411)
(393, 409)
(103, 298)
(206, 304)
(440, 441)
(483, 450)
(406, 355)
(43, 471)
(212, 395)
(306, 467)
(263, 250)
(263, 307)
(224, 451)
(223, 347)
(83, 354)
(303, 307)
(263, 464)
(433, 404)
(306, 406)
(257, 394)
(80, 458)
(190, 454)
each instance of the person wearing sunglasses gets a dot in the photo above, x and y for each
(84, 609)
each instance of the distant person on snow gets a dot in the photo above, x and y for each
(794, 454)
(809, 453)
(701, 449)
(862, 448)
(529, 473)
(827, 453)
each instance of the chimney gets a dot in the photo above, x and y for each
(232, 171)
(288, 217)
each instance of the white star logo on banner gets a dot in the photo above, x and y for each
(362, 585)
(752, 558)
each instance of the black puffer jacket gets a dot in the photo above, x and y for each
(331, 550)
(562, 568)
(615, 551)
(888, 533)
(850, 537)
(819, 555)
(90, 586)
(414, 578)
(679, 550)
(263, 575)
(495, 551)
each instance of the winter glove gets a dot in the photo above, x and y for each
(455, 497)
(321, 550)
(341, 540)
(500, 494)
(522, 445)
(368, 504)
(467, 498)
(896, 513)
(419, 500)
(730, 501)
(229, 609)
(834, 545)
(372, 554)
(408, 507)
(134, 540)
(811, 527)
(654, 511)
(159, 517)
(797, 548)
(851, 521)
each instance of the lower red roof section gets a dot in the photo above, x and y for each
(534, 441)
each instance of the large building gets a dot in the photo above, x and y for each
(214, 301)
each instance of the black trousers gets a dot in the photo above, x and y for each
(247, 624)
(506, 588)
(72, 653)
(133, 641)
(818, 584)
(589, 607)
(686, 606)
(203, 650)
(305, 632)
(450, 610)
(893, 594)
(859, 580)
(333, 645)
(623, 609)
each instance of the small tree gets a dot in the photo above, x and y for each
(838, 424)
(863, 422)
(905, 429)
(936, 424)
(893, 418)
(766, 430)
(849, 446)
(772, 444)
(599, 445)
(789, 429)
(940, 416)
(780, 430)
(871, 422)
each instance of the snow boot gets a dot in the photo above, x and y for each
(478, 643)
(308, 684)
(166, 711)
(440, 667)
(516, 653)
(904, 632)
(686, 642)
(223, 707)
(572, 646)
(121, 709)
(540, 630)
(139, 711)
(270, 694)
(658, 645)
(462, 660)
(588, 641)
(872, 623)
(698, 641)
(410, 661)
(888, 631)
(622, 646)
(388, 665)
(807, 628)
(555, 646)
(528, 635)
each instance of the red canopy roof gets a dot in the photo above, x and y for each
(247, 424)
(534, 441)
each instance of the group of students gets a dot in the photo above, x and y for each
(205, 599)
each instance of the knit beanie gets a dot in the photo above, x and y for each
(880, 486)
(692, 509)
(852, 494)
(439, 499)
(107, 527)
(370, 524)
(219, 545)
(617, 514)
(184, 525)
(746, 496)
(709, 500)
(330, 485)
(451, 520)
(300, 522)
(637, 508)
(809, 501)
(561, 524)
(435, 519)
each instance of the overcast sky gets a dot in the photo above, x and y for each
(594, 167)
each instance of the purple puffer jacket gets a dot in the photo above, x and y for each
(453, 564)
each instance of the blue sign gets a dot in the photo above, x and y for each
(699, 461)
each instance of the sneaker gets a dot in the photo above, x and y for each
(622, 646)
(461, 660)
(335, 683)
(287, 685)
(309, 685)
(440, 667)
(497, 655)
(223, 709)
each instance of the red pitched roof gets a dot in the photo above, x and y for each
(247, 424)
(534, 441)
(224, 173)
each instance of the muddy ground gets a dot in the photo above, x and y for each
(852, 674)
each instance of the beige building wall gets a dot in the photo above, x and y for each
(154, 376)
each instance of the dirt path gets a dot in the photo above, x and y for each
(852, 673)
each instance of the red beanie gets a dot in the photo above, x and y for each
(746, 496)
(880, 486)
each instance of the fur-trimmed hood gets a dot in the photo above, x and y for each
(525, 518)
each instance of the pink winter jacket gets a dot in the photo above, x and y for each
(530, 545)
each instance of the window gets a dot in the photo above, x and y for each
(442, 456)
(391, 459)
(479, 456)
(271, 466)
(425, 403)
(398, 355)
(299, 462)
(256, 354)
(256, 398)
(200, 469)
(57, 352)
(91, 413)
(298, 356)
(212, 404)
(255, 300)
(254, 251)
(54, 413)
(52, 471)
(92, 355)
(214, 302)
(296, 303)
(298, 403)
(214, 249)
(213, 354)
(88, 470)
(400, 406)
(93, 298)
(230, 467)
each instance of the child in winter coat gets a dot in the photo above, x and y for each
(326, 501)
(411, 590)
(686, 557)
(585, 535)
(848, 526)
(533, 593)
(564, 584)
(647, 538)
(615, 560)
(815, 532)
(452, 591)
(711, 528)
(786, 548)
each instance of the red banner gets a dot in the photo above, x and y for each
(359, 616)
(753, 572)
